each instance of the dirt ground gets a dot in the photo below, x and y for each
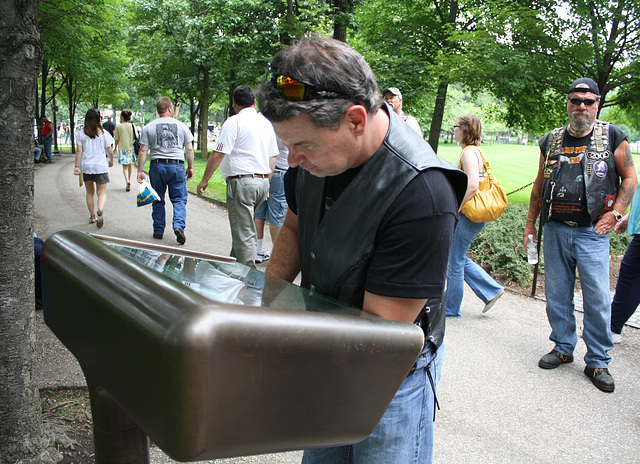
(67, 412)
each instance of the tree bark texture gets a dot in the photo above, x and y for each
(21, 433)
(204, 115)
(438, 114)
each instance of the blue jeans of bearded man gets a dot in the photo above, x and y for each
(404, 435)
(462, 269)
(565, 250)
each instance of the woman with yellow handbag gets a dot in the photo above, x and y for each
(468, 132)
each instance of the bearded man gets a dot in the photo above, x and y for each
(586, 180)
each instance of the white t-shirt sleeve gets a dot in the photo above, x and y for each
(228, 136)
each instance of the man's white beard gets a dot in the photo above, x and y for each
(580, 125)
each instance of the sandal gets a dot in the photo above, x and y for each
(100, 222)
(92, 219)
(128, 189)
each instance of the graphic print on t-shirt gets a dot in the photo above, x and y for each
(167, 135)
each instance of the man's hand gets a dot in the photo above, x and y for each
(202, 186)
(189, 173)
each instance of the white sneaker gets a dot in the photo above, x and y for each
(262, 255)
(617, 338)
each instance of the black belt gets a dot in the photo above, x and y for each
(241, 176)
(167, 160)
(280, 169)
(574, 223)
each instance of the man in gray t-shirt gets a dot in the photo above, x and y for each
(166, 140)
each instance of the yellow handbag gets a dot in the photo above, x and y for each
(490, 200)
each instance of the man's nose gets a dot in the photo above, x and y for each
(295, 157)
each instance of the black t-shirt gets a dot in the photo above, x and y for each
(413, 239)
(574, 205)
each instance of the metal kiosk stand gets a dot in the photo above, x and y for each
(212, 359)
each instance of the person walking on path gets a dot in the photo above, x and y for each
(124, 146)
(371, 215)
(393, 97)
(246, 154)
(586, 180)
(274, 208)
(47, 138)
(92, 165)
(627, 296)
(109, 126)
(166, 140)
(468, 133)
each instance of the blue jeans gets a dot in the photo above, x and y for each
(565, 250)
(164, 175)
(47, 146)
(627, 297)
(37, 152)
(404, 435)
(274, 208)
(462, 269)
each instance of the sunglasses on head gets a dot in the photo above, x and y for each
(586, 101)
(295, 90)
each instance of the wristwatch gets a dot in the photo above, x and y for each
(616, 215)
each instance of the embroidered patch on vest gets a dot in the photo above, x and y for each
(600, 168)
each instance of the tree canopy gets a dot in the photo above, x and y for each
(522, 54)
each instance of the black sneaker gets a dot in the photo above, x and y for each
(158, 236)
(601, 378)
(179, 235)
(553, 359)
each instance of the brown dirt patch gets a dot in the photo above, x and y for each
(67, 418)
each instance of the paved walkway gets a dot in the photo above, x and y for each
(497, 406)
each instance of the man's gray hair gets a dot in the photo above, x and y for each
(330, 65)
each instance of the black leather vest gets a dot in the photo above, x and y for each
(335, 252)
(601, 179)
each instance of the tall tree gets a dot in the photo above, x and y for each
(413, 45)
(22, 437)
(531, 50)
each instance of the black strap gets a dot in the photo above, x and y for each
(133, 128)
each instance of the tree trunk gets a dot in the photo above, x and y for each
(73, 104)
(204, 115)
(22, 436)
(438, 113)
(341, 11)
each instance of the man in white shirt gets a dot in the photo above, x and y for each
(246, 154)
(394, 98)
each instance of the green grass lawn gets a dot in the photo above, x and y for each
(513, 165)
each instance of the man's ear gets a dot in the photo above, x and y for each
(356, 116)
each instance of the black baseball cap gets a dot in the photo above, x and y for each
(584, 84)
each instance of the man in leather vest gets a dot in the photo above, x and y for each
(371, 214)
(586, 180)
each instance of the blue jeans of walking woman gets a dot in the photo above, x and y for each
(462, 269)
